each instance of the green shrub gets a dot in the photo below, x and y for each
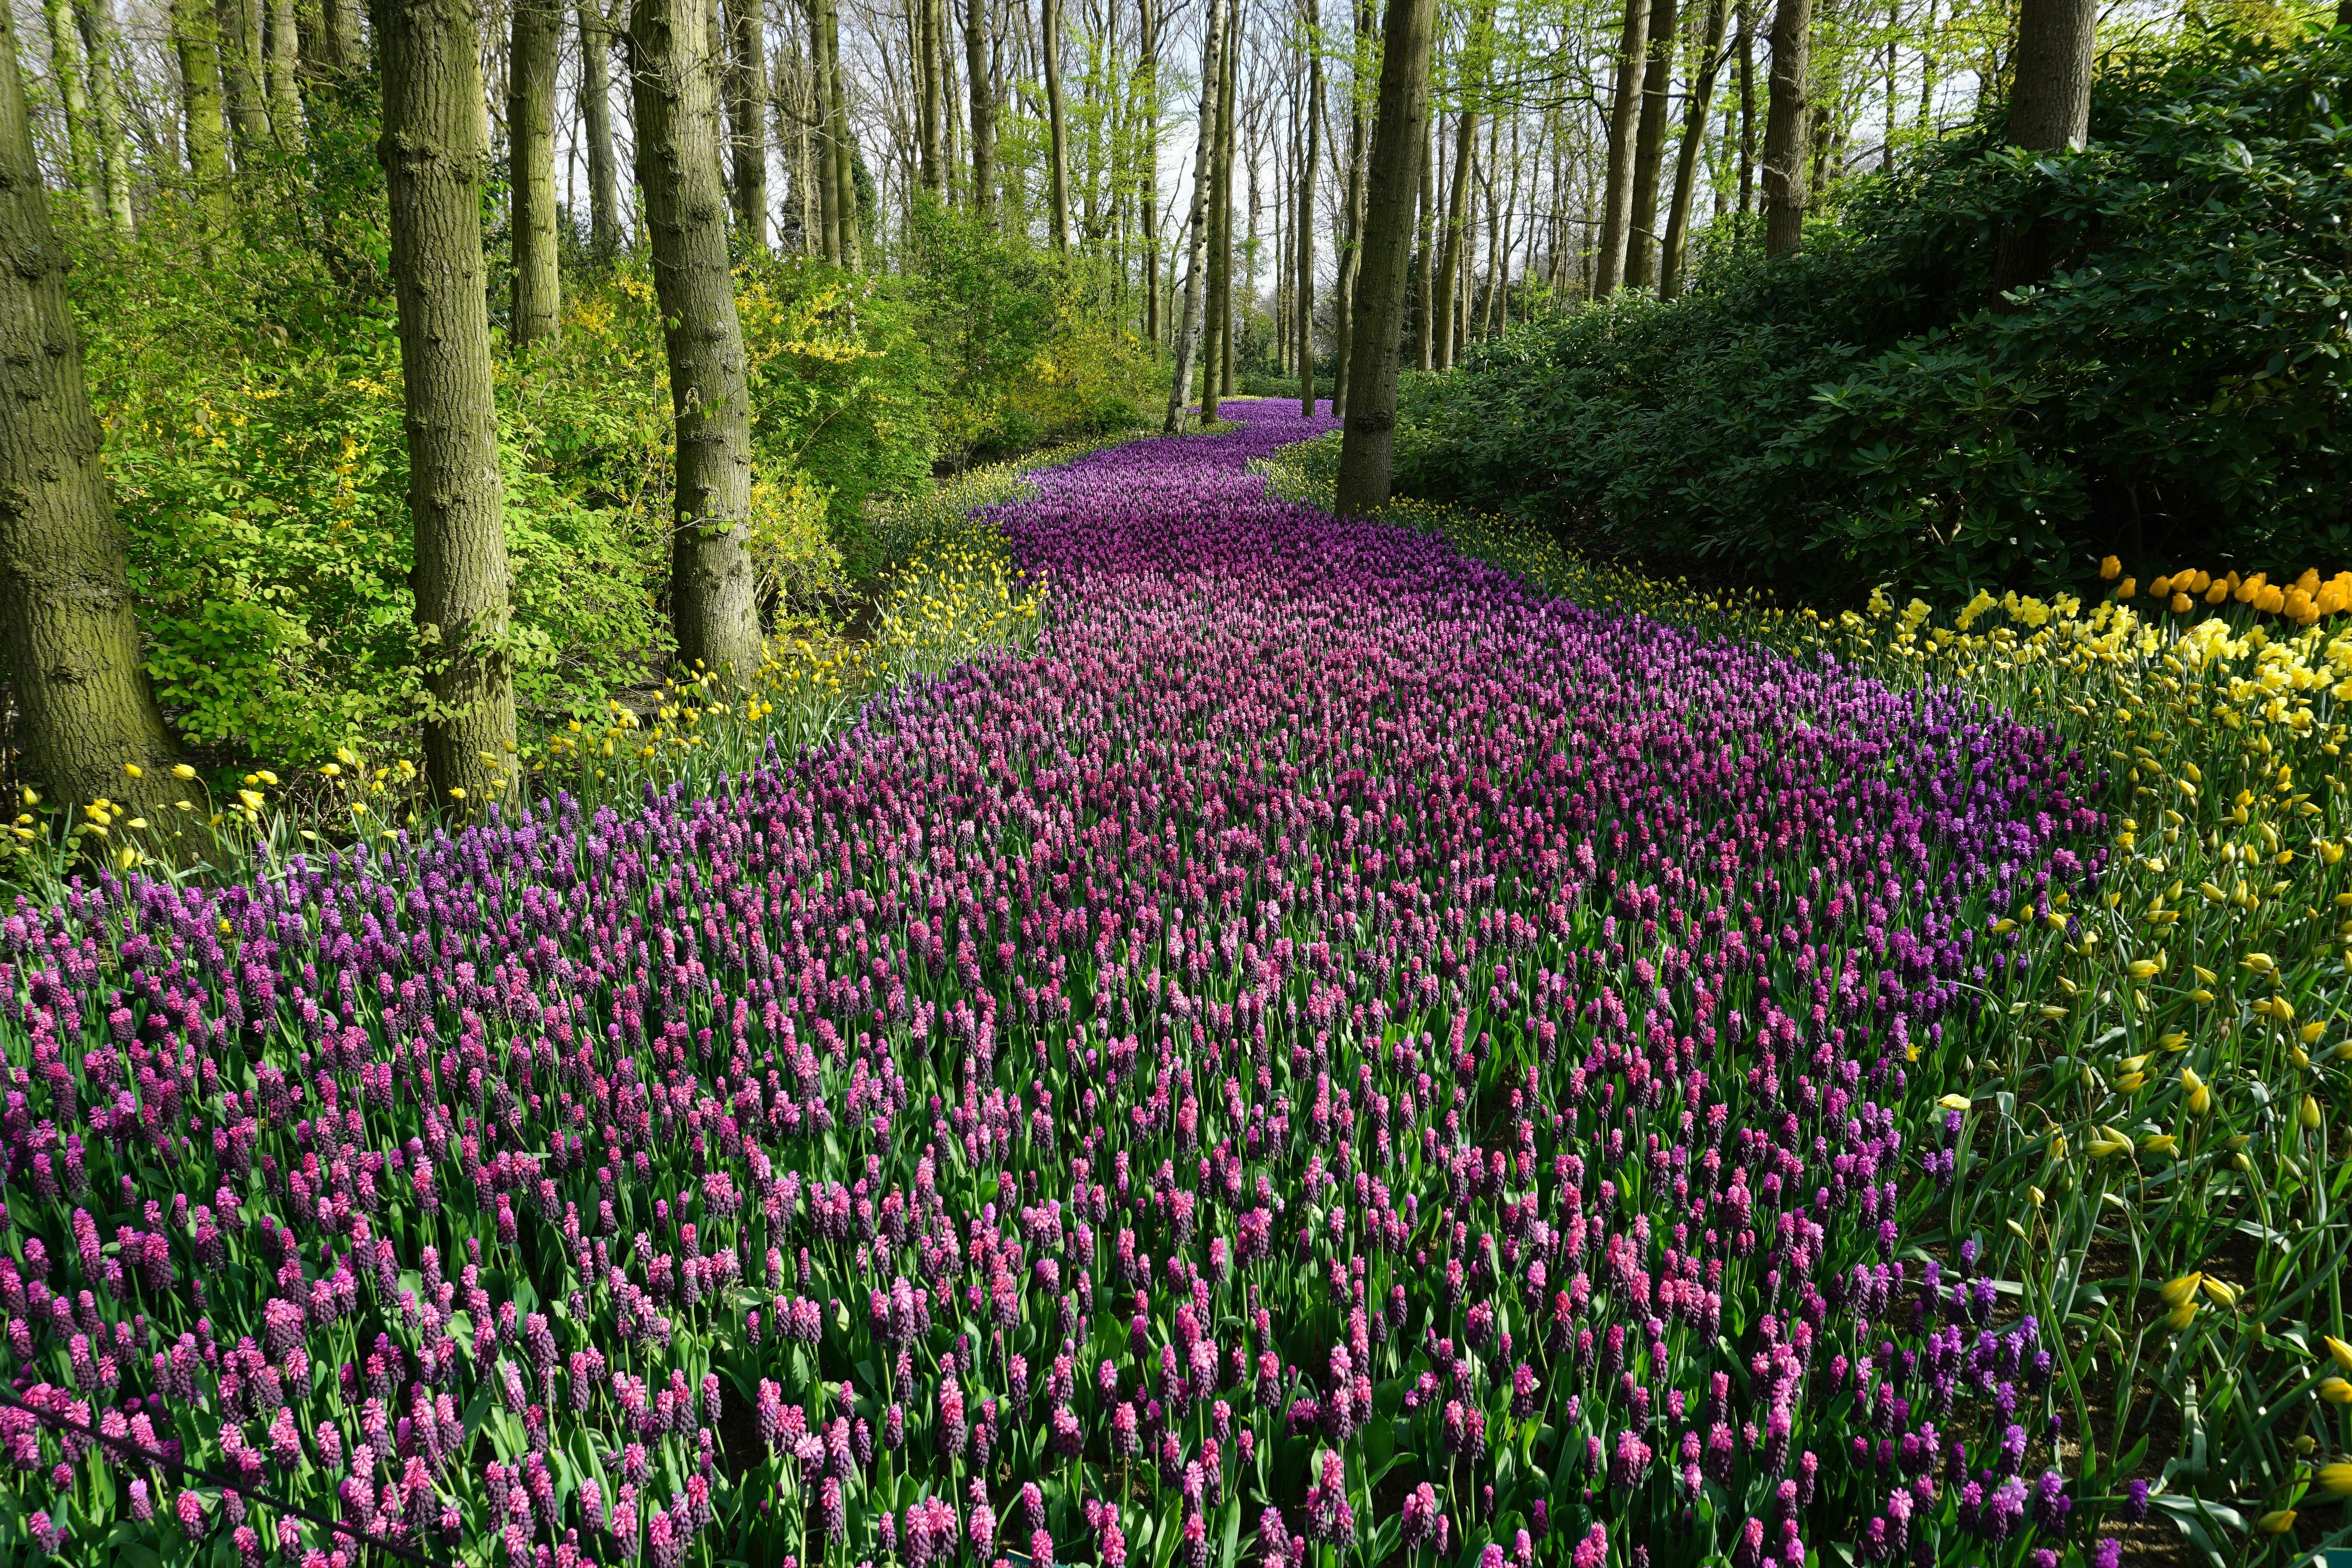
(1871, 410)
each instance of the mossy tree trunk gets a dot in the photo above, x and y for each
(283, 51)
(1399, 130)
(195, 40)
(73, 100)
(605, 235)
(240, 70)
(1196, 224)
(66, 618)
(102, 45)
(537, 297)
(747, 102)
(432, 152)
(713, 602)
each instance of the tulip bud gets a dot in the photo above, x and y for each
(2201, 1099)
(2180, 1290)
(2335, 1391)
(2308, 1113)
(2340, 1350)
(2221, 1294)
(2276, 1522)
(2180, 1317)
(2336, 1479)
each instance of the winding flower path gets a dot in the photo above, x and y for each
(1333, 1046)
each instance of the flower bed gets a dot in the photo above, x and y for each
(1334, 1052)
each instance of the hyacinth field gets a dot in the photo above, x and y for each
(1333, 1055)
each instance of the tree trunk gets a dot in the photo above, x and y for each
(1747, 107)
(844, 154)
(1449, 264)
(1303, 306)
(2049, 111)
(195, 40)
(1624, 119)
(284, 52)
(432, 154)
(713, 603)
(68, 622)
(1196, 225)
(1785, 125)
(1057, 136)
(1352, 232)
(1368, 447)
(983, 109)
(240, 36)
(1670, 269)
(537, 293)
(1650, 149)
(101, 45)
(747, 102)
(823, 165)
(1424, 339)
(73, 100)
(1218, 304)
(1147, 79)
(596, 111)
(928, 97)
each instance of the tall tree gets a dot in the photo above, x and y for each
(823, 165)
(2049, 111)
(983, 109)
(1147, 87)
(1787, 120)
(73, 98)
(68, 622)
(1702, 104)
(1624, 119)
(536, 290)
(196, 40)
(101, 45)
(1057, 135)
(1351, 220)
(240, 65)
(1196, 225)
(596, 120)
(714, 606)
(1746, 9)
(1399, 126)
(1425, 340)
(1457, 207)
(1217, 327)
(930, 97)
(1303, 306)
(747, 115)
(1649, 148)
(282, 50)
(835, 81)
(432, 152)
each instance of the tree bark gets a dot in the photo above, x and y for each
(930, 96)
(1188, 327)
(823, 165)
(1624, 119)
(102, 48)
(1785, 125)
(1303, 306)
(1217, 332)
(283, 53)
(1457, 207)
(1650, 149)
(432, 154)
(1670, 267)
(1399, 128)
(73, 100)
(536, 294)
(2049, 111)
(1424, 338)
(68, 622)
(1147, 78)
(1747, 107)
(747, 112)
(713, 603)
(248, 116)
(1057, 135)
(605, 235)
(195, 40)
(1351, 229)
(983, 109)
(844, 154)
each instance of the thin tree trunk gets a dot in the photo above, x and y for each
(1147, 78)
(102, 48)
(1747, 10)
(747, 132)
(1218, 304)
(1624, 121)
(1057, 134)
(240, 36)
(1351, 229)
(1785, 126)
(713, 604)
(1188, 328)
(537, 293)
(596, 111)
(1702, 103)
(844, 149)
(69, 623)
(195, 40)
(983, 109)
(1457, 203)
(1226, 144)
(820, 123)
(432, 153)
(1926, 123)
(1494, 221)
(1650, 149)
(284, 40)
(66, 70)
(1368, 448)
(1304, 305)
(928, 98)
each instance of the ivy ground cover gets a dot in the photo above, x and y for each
(1334, 1054)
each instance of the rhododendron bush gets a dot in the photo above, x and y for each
(1334, 1054)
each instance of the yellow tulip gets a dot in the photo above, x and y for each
(2220, 1294)
(133, 769)
(1954, 1102)
(2201, 1099)
(2276, 1522)
(2110, 569)
(2336, 1479)
(2308, 1113)
(2180, 1317)
(2160, 1143)
(2335, 1391)
(2339, 1350)
(2180, 1290)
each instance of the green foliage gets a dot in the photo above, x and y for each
(1871, 410)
